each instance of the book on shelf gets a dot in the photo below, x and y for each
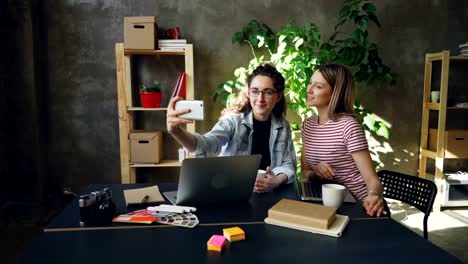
(172, 41)
(180, 87)
(171, 45)
(146, 196)
(464, 51)
(463, 45)
(307, 217)
(171, 49)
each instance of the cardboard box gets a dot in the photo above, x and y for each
(145, 146)
(140, 32)
(456, 142)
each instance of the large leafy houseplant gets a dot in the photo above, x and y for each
(296, 51)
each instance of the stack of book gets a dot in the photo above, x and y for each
(307, 217)
(172, 44)
(463, 49)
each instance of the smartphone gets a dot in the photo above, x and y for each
(196, 109)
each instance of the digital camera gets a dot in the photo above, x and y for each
(97, 207)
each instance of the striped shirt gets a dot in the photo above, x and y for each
(333, 143)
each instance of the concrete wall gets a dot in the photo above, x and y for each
(83, 144)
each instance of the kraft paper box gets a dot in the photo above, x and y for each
(456, 142)
(145, 146)
(140, 32)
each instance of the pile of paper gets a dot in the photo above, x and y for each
(172, 44)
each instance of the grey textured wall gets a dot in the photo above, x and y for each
(83, 127)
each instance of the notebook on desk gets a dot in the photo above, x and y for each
(312, 191)
(215, 180)
(146, 196)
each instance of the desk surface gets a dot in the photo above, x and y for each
(365, 241)
(255, 210)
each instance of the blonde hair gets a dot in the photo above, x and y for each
(341, 81)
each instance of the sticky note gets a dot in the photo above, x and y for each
(234, 234)
(216, 243)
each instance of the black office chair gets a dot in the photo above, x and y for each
(412, 190)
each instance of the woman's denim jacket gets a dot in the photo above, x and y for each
(232, 136)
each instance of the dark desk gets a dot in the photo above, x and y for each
(255, 210)
(364, 241)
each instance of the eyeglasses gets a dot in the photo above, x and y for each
(267, 93)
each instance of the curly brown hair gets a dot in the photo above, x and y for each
(241, 104)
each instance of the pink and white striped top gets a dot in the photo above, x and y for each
(333, 143)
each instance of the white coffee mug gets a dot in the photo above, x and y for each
(183, 153)
(435, 96)
(261, 174)
(333, 195)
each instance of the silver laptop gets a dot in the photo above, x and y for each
(312, 191)
(215, 180)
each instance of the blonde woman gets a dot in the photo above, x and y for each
(334, 144)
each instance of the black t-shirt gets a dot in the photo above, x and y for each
(261, 141)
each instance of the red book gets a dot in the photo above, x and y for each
(180, 86)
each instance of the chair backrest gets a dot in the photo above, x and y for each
(412, 190)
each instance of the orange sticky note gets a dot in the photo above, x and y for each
(234, 234)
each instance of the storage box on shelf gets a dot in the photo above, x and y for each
(439, 144)
(140, 33)
(127, 110)
(146, 146)
(456, 143)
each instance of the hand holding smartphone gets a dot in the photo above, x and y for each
(196, 109)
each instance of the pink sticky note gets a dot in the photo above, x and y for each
(217, 240)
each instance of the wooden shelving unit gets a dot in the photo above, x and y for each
(127, 110)
(441, 107)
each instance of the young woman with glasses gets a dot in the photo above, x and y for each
(253, 124)
(334, 144)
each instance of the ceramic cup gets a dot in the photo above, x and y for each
(333, 195)
(183, 153)
(435, 96)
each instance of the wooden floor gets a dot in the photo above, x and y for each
(448, 229)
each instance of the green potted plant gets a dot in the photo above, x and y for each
(150, 96)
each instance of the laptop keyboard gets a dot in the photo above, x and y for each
(311, 190)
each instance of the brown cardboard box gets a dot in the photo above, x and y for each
(456, 142)
(140, 32)
(145, 146)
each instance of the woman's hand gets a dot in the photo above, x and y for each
(269, 182)
(173, 120)
(323, 171)
(374, 205)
